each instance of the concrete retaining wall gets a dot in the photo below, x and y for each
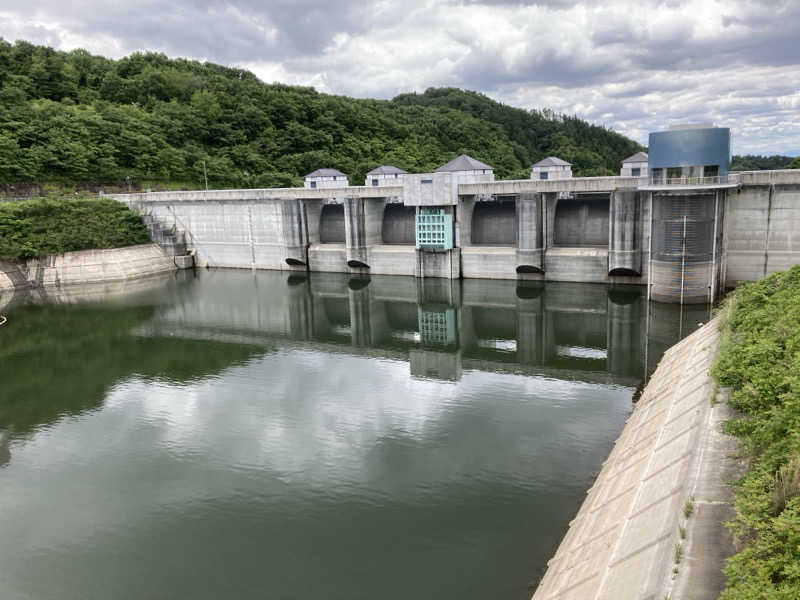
(762, 228)
(482, 262)
(85, 266)
(621, 545)
(231, 233)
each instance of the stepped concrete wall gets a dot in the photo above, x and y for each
(621, 545)
(85, 266)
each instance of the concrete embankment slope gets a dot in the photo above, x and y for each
(85, 266)
(622, 544)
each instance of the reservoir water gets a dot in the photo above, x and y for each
(234, 434)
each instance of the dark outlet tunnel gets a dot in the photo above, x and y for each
(398, 224)
(331, 224)
(494, 223)
(582, 221)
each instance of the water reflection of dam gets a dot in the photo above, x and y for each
(583, 332)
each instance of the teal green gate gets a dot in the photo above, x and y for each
(434, 229)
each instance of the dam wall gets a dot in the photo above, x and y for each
(687, 242)
(762, 230)
(632, 537)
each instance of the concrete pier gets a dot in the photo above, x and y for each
(625, 239)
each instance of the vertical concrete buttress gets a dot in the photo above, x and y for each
(355, 233)
(624, 240)
(294, 232)
(530, 241)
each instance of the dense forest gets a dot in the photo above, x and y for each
(750, 162)
(71, 118)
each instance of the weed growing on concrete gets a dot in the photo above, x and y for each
(678, 552)
(682, 531)
(675, 570)
(688, 507)
(759, 362)
(714, 390)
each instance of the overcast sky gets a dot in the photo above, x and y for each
(634, 67)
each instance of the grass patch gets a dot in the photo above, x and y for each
(714, 391)
(688, 507)
(678, 555)
(759, 361)
(41, 226)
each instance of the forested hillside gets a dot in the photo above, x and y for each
(76, 119)
(754, 162)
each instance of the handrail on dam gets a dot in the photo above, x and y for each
(731, 178)
(245, 195)
(573, 184)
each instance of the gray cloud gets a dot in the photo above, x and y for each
(632, 67)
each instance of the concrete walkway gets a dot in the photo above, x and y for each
(622, 544)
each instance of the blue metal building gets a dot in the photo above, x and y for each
(690, 152)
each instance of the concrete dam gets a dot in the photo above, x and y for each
(684, 233)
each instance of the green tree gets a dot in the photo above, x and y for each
(75, 117)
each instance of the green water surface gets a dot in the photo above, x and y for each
(229, 434)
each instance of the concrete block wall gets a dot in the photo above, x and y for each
(86, 266)
(577, 264)
(394, 259)
(233, 233)
(445, 264)
(428, 189)
(328, 258)
(762, 229)
(487, 262)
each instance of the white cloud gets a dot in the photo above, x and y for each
(634, 68)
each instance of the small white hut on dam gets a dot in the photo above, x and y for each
(675, 220)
